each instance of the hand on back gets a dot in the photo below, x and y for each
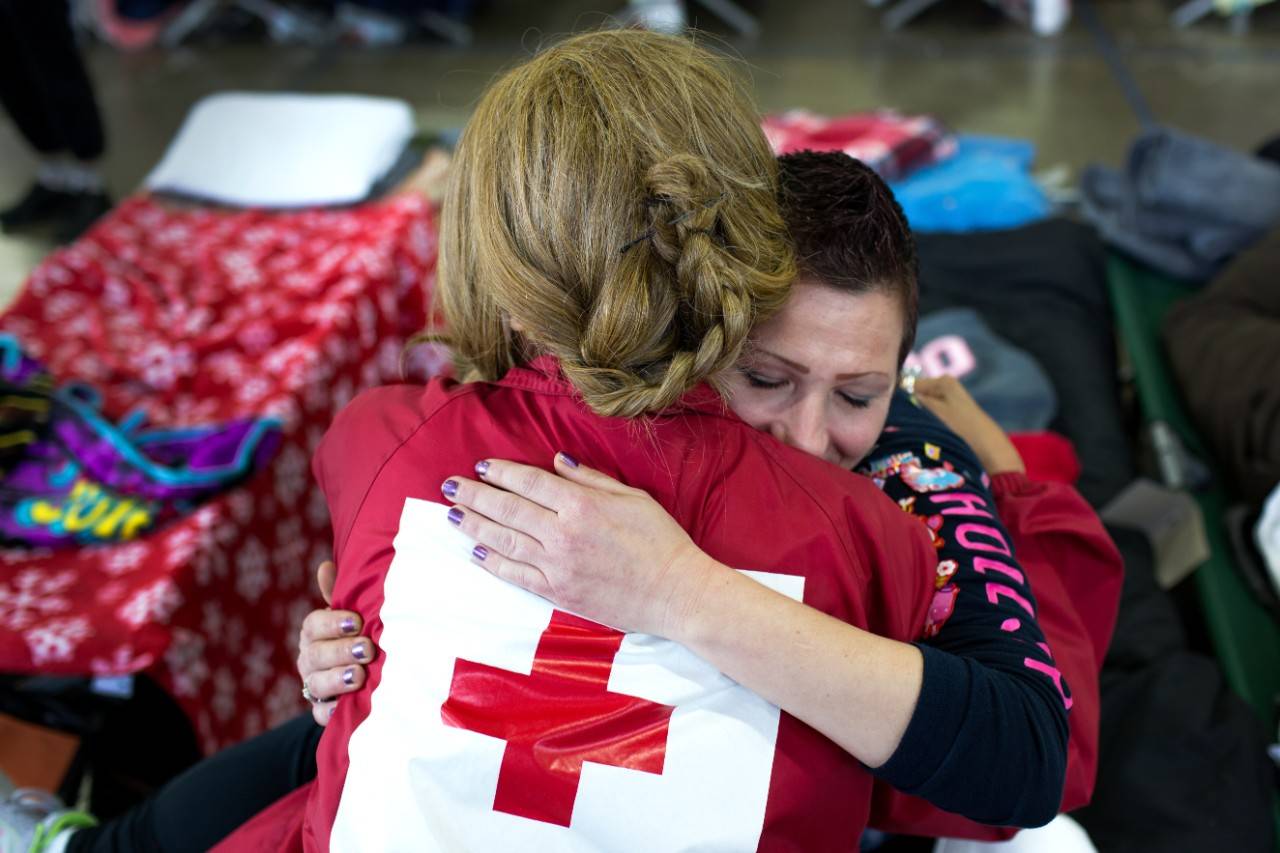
(587, 542)
(331, 653)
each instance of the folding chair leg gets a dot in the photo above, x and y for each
(903, 12)
(735, 16)
(1190, 12)
(450, 29)
(287, 24)
(188, 21)
(1240, 21)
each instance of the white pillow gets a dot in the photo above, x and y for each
(284, 150)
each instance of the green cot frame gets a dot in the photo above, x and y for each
(1244, 634)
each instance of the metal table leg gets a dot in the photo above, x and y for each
(904, 11)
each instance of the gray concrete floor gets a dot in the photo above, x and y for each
(961, 62)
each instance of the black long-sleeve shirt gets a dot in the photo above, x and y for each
(988, 739)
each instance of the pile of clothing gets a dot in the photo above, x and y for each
(1224, 345)
(1184, 205)
(1006, 381)
(1178, 749)
(944, 181)
(72, 477)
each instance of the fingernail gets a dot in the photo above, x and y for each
(482, 467)
(455, 516)
(480, 552)
(450, 488)
(358, 652)
(333, 708)
(568, 460)
(349, 676)
(348, 625)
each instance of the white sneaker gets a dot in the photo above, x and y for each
(31, 820)
(1060, 835)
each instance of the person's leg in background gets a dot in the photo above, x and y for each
(203, 805)
(46, 90)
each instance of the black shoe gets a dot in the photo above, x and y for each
(40, 205)
(83, 210)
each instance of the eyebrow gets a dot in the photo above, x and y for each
(841, 377)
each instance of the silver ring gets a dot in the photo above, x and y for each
(908, 380)
(306, 694)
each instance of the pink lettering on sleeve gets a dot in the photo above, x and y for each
(998, 545)
(996, 591)
(982, 564)
(971, 504)
(1051, 671)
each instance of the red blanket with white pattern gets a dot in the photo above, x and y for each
(196, 317)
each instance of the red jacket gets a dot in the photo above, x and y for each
(616, 740)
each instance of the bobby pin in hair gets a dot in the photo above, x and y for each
(650, 232)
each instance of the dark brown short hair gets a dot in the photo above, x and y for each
(850, 232)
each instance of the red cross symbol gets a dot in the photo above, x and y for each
(557, 717)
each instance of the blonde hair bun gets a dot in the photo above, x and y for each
(615, 200)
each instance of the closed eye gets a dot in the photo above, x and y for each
(755, 380)
(856, 402)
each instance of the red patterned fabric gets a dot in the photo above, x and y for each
(891, 143)
(197, 317)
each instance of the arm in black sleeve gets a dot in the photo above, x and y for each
(988, 739)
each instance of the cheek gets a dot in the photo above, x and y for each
(858, 432)
(752, 408)
(753, 414)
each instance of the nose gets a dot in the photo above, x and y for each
(804, 427)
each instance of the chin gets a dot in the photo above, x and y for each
(852, 462)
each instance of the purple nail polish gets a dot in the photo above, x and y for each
(455, 516)
(450, 489)
(358, 652)
(480, 552)
(482, 467)
(568, 460)
(349, 676)
(348, 625)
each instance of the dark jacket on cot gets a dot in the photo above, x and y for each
(1224, 344)
(1043, 289)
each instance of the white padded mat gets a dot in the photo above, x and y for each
(284, 150)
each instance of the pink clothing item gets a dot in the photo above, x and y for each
(893, 144)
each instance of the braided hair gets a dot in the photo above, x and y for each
(613, 203)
